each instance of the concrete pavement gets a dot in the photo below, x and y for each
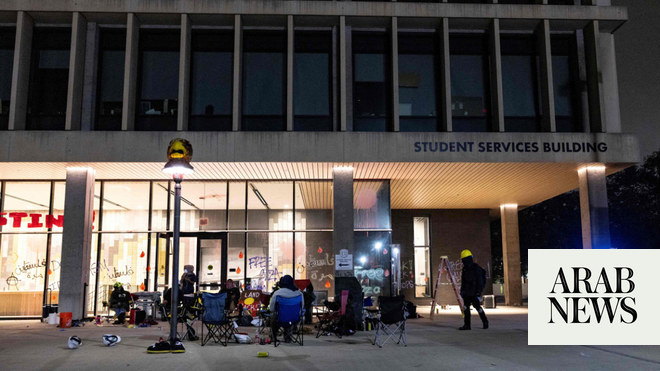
(436, 345)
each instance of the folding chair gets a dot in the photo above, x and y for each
(189, 313)
(330, 322)
(289, 316)
(391, 320)
(214, 318)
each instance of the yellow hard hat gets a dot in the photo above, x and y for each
(465, 254)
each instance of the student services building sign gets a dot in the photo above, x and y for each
(593, 297)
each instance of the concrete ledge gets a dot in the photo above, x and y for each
(137, 146)
(327, 8)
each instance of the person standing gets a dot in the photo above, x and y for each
(473, 280)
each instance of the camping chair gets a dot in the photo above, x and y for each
(330, 322)
(188, 315)
(391, 320)
(215, 319)
(290, 317)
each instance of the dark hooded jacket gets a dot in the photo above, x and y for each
(472, 278)
(120, 298)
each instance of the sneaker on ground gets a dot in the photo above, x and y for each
(178, 347)
(161, 346)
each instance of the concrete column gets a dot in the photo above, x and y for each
(289, 72)
(395, 74)
(76, 72)
(593, 208)
(591, 46)
(548, 122)
(184, 74)
(342, 214)
(511, 254)
(445, 76)
(88, 117)
(20, 77)
(76, 240)
(497, 105)
(238, 48)
(130, 72)
(343, 98)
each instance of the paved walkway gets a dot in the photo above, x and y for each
(436, 345)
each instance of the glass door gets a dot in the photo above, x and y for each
(162, 262)
(212, 262)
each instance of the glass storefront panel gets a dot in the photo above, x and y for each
(236, 258)
(371, 204)
(125, 206)
(372, 262)
(236, 205)
(315, 261)
(26, 208)
(313, 205)
(159, 206)
(270, 206)
(203, 206)
(22, 272)
(270, 256)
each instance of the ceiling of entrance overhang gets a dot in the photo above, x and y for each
(413, 185)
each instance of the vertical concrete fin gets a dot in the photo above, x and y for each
(395, 74)
(184, 74)
(289, 72)
(130, 72)
(497, 100)
(76, 72)
(548, 123)
(445, 77)
(343, 93)
(20, 77)
(236, 91)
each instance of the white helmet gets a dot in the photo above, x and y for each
(111, 340)
(74, 342)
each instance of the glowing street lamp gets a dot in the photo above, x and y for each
(179, 155)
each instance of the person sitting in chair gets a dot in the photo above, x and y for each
(286, 290)
(119, 302)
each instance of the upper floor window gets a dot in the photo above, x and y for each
(49, 79)
(158, 80)
(566, 85)
(211, 80)
(7, 38)
(264, 71)
(312, 77)
(469, 68)
(112, 50)
(371, 81)
(520, 83)
(418, 104)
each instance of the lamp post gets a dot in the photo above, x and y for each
(179, 154)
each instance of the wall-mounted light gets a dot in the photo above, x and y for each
(378, 245)
(363, 259)
(592, 168)
(511, 206)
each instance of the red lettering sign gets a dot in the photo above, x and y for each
(35, 223)
(3, 220)
(17, 218)
(51, 221)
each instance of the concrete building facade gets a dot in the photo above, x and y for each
(391, 130)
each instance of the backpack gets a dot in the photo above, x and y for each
(481, 279)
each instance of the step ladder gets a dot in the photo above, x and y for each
(444, 265)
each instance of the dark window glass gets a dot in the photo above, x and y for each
(519, 84)
(112, 46)
(470, 98)
(371, 82)
(312, 88)
(264, 64)
(159, 80)
(565, 84)
(211, 80)
(417, 83)
(49, 79)
(7, 38)
(561, 2)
